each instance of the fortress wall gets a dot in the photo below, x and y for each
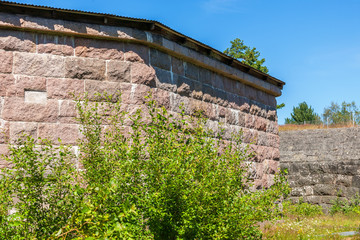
(42, 60)
(322, 163)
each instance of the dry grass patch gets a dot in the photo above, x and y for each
(317, 227)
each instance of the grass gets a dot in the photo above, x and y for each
(293, 127)
(315, 227)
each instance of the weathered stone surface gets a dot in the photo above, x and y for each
(191, 71)
(67, 112)
(6, 81)
(68, 133)
(19, 129)
(160, 59)
(85, 68)
(141, 50)
(17, 41)
(177, 66)
(202, 107)
(131, 56)
(118, 71)
(24, 82)
(93, 88)
(93, 48)
(164, 79)
(6, 59)
(162, 97)
(64, 88)
(15, 109)
(43, 65)
(142, 74)
(138, 93)
(260, 123)
(320, 158)
(57, 45)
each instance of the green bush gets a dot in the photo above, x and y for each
(164, 177)
(302, 209)
(351, 206)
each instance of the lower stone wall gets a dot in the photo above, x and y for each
(322, 163)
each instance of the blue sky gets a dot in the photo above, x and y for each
(312, 45)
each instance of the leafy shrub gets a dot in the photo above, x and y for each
(346, 206)
(164, 177)
(302, 209)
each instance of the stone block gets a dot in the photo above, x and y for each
(131, 56)
(4, 132)
(272, 115)
(15, 109)
(255, 110)
(64, 88)
(164, 80)
(272, 101)
(162, 97)
(20, 129)
(250, 92)
(260, 123)
(6, 59)
(85, 68)
(229, 85)
(184, 86)
(208, 93)
(141, 50)
(39, 65)
(67, 112)
(206, 76)
(95, 48)
(176, 101)
(57, 45)
(249, 121)
(138, 94)
(218, 82)
(26, 83)
(6, 81)
(94, 88)
(68, 133)
(324, 190)
(118, 71)
(191, 71)
(177, 66)
(160, 59)
(17, 41)
(142, 74)
(197, 92)
(263, 139)
(242, 117)
(38, 97)
(245, 107)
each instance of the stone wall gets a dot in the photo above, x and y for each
(322, 163)
(43, 60)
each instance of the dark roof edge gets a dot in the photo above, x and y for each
(143, 24)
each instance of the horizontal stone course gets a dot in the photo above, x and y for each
(44, 65)
(16, 109)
